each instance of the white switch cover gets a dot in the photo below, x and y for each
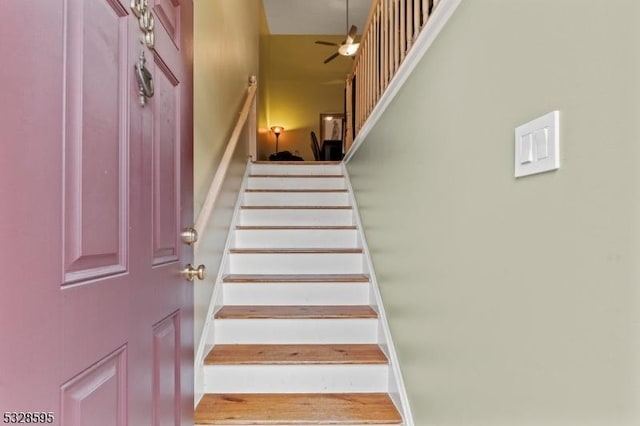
(537, 145)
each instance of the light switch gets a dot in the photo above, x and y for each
(526, 149)
(541, 143)
(537, 145)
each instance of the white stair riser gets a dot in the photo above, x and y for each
(296, 378)
(296, 199)
(298, 238)
(296, 183)
(302, 169)
(296, 263)
(297, 217)
(290, 331)
(296, 294)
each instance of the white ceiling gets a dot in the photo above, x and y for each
(315, 16)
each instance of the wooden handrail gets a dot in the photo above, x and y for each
(218, 179)
(391, 30)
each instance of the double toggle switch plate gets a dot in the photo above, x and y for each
(537, 145)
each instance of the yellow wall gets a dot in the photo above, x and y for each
(298, 87)
(265, 72)
(226, 54)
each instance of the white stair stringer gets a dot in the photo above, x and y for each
(296, 241)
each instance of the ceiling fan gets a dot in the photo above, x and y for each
(348, 47)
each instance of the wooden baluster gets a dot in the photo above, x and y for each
(425, 12)
(385, 42)
(365, 82)
(372, 73)
(409, 24)
(372, 56)
(416, 18)
(374, 42)
(402, 28)
(376, 26)
(356, 109)
(367, 74)
(392, 38)
(396, 35)
(348, 138)
(360, 89)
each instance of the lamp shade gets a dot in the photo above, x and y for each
(277, 129)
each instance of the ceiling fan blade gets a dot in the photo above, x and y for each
(331, 58)
(352, 34)
(326, 43)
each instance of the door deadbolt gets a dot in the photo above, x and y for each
(189, 236)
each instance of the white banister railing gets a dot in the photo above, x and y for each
(392, 29)
(247, 115)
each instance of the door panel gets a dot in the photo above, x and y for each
(166, 372)
(98, 396)
(95, 317)
(166, 165)
(95, 140)
(168, 12)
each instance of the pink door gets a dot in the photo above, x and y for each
(95, 314)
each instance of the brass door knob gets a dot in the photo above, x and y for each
(189, 236)
(190, 273)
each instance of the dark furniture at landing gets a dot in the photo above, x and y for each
(315, 147)
(331, 150)
(284, 156)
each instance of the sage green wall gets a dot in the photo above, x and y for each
(513, 301)
(226, 55)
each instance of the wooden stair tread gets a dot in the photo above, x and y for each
(297, 409)
(297, 228)
(295, 176)
(303, 278)
(295, 312)
(296, 251)
(296, 354)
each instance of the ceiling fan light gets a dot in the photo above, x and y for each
(348, 49)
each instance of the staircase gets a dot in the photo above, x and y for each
(296, 338)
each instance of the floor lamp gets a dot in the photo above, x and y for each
(277, 130)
